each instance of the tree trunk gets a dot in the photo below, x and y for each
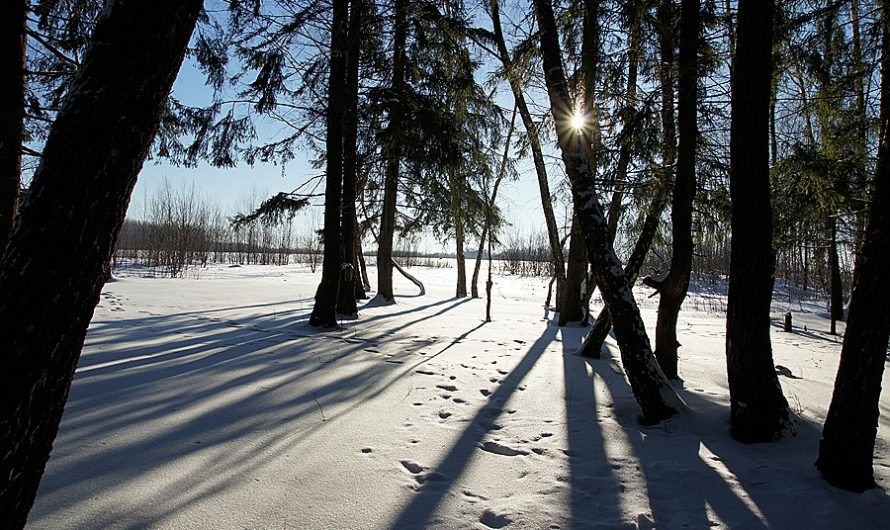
(673, 289)
(392, 155)
(652, 390)
(53, 269)
(12, 110)
(862, 119)
(324, 313)
(365, 284)
(846, 450)
(534, 140)
(572, 308)
(457, 215)
(474, 291)
(593, 342)
(350, 280)
(835, 285)
(759, 411)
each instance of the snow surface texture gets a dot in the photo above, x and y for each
(210, 403)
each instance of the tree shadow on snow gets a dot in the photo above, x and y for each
(420, 510)
(695, 474)
(156, 391)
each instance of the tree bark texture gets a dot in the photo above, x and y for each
(572, 309)
(534, 140)
(652, 390)
(672, 290)
(593, 342)
(457, 215)
(848, 437)
(392, 155)
(324, 312)
(759, 411)
(350, 279)
(836, 287)
(54, 267)
(12, 110)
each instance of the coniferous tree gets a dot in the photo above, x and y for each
(350, 280)
(324, 312)
(392, 153)
(12, 110)
(55, 264)
(846, 450)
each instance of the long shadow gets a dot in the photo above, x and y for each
(594, 489)
(694, 471)
(422, 507)
(382, 316)
(212, 385)
(827, 337)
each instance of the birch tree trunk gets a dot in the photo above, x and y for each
(651, 388)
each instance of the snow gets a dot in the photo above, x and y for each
(208, 402)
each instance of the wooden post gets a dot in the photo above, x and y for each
(788, 322)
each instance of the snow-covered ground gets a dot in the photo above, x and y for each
(208, 402)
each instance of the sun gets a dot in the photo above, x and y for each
(578, 121)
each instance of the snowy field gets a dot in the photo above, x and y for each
(209, 403)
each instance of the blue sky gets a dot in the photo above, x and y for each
(232, 188)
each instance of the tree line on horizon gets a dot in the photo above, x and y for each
(633, 97)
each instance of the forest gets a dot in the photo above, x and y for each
(734, 151)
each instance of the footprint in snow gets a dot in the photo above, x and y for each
(485, 392)
(449, 388)
(492, 519)
(412, 467)
(499, 449)
(444, 414)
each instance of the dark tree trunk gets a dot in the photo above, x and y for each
(12, 110)
(350, 280)
(457, 215)
(759, 411)
(572, 302)
(673, 289)
(53, 269)
(324, 313)
(835, 285)
(392, 155)
(534, 140)
(593, 342)
(848, 438)
(652, 390)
